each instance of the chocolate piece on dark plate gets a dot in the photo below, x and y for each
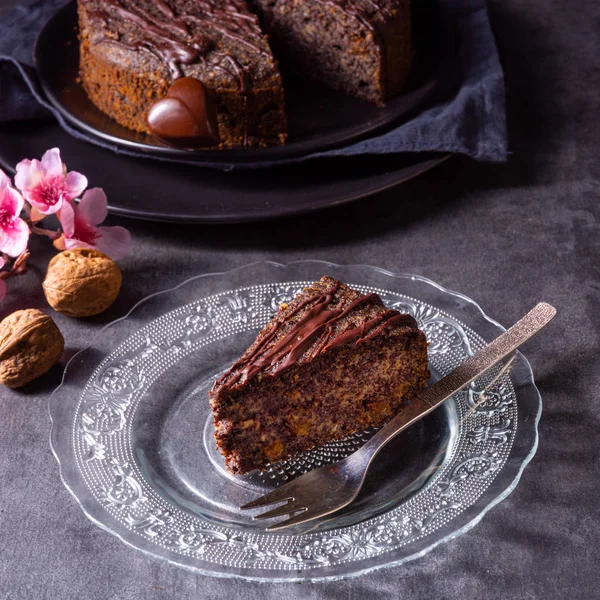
(186, 116)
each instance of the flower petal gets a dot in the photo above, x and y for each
(14, 237)
(66, 216)
(115, 242)
(70, 243)
(92, 207)
(11, 201)
(75, 183)
(4, 180)
(52, 163)
(47, 209)
(30, 173)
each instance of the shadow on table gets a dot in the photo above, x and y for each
(433, 194)
(48, 382)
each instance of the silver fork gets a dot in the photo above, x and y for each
(328, 489)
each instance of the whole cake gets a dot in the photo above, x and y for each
(132, 51)
(361, 47)
(330, 363)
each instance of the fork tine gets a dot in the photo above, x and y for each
(303, 517)
(281, 511)
(279, 495)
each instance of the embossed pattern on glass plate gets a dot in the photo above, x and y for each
(94, 429)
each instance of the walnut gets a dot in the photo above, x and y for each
(81, 282)
(30, 343)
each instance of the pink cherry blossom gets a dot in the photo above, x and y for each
(46, 183)
(80, 227)
(14, 232)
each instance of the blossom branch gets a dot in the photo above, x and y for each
(45, 187)
(53, 234)
(19, 266)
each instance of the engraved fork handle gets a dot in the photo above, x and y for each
(465, 373)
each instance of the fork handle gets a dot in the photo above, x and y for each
(465, 373)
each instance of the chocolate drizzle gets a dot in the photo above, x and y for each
(178, 40)
(314, 330)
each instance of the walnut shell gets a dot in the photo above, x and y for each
(30, 343)
(81, 282)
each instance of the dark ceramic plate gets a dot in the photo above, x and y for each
(318, 119)
(189, 193)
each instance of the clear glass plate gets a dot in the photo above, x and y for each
(132, 431)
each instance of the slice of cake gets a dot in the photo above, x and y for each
(361, 47)
(133, 51)
(330, 363)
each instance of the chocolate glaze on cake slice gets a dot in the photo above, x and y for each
(132, 51)
(361, 47)
(330, 363)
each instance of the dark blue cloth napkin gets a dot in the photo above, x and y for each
(470, 121)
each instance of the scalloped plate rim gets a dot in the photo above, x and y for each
(306, 578)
